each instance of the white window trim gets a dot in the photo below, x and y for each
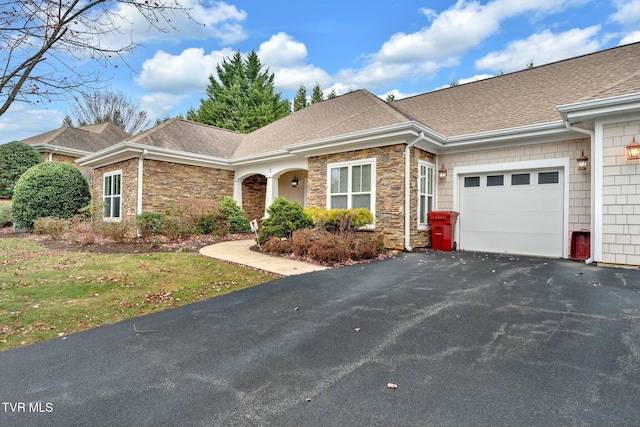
(104, 176)
(432, 167)
(370, 161)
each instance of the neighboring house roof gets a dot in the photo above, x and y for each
(81, 140)
(526, 97)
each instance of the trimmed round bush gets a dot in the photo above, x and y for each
(285, 217)
(15, 158)
(49, 189)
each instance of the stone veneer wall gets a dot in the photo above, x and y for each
(419, 238)
(579, 181)
(621, 195)
(389, 187)
(254, 194)
(129, 170)
(165, 184)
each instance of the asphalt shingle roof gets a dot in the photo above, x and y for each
(526, 97)
(89, 138)
(182, 135)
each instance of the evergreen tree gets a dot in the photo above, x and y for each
(243, 97)
(332, 94)
(317, 95)
(300, 100)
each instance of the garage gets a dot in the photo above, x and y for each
(517, 212)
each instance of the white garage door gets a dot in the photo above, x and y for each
(518, 212)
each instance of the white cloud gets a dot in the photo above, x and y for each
(286, 58)
(628, 12)
(21, 122)
(459, 28)
(631, 38)
(541, 48)
(182, 73)
(282, 50)
(448, 35)
(397, 95)
(159, 105)
(217, 20)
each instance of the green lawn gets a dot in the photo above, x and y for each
(46, 294)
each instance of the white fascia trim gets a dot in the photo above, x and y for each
(49, 148)
(560, 162)
(128, 150)
(504, 136)
(366, 139)
(586, 110)
(261, 158)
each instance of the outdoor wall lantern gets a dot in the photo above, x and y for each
(442, 172)
(582, 162)
(294, 182)
(633, 150)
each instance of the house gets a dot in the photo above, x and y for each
(503, 152)
(67, 144)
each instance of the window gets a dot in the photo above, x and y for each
(520, 179)
(352, 185)
(112, 197)
(548, 177)
(495, 180)
(425, 191)
(472, 181)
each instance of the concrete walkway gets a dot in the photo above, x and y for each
(239, 252)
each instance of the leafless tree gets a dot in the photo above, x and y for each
(102, 106)
(41, 39)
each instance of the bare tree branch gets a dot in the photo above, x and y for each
(110, 107)
(40, 39)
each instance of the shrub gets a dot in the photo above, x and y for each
(285, 217)
(328, 248)
(331, 249)
(118, 231)
(340, 220)
(5, 215)
(236, 220)
(53, 227)
(49, 189)
(149, 224)
(277, 246)
(15, 158)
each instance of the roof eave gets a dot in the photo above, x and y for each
(587, 111)
(128, 150)
(394, 134)
(50, 148)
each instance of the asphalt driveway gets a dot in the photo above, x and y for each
(469, 340)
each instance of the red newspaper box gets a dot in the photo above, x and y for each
(442, 225)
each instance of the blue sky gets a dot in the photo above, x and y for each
(404, 47)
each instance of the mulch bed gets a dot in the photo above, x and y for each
(136, 246)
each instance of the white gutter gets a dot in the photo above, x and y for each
(592, 216)
(407, 192)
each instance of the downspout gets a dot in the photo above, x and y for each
(592, 149)
(51, 153)
(407, 192)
